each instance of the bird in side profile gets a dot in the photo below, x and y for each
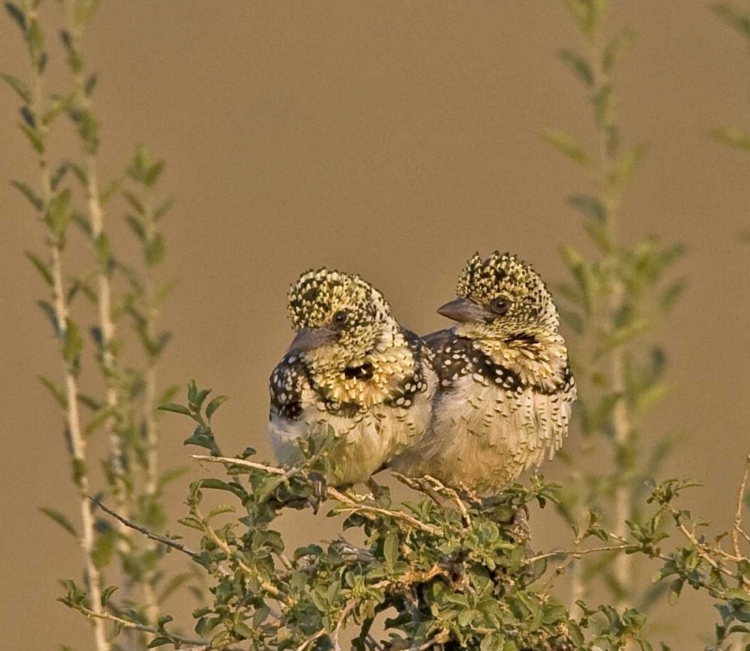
(505, 387)
(353, 369)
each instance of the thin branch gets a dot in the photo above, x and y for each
(355, 507)
(577, 553)
(434, 488)
(164, 541)
(737, 530)
(240, 462)
(126, 623)
(341, 623)
(701, 548)
(224, 546)
(311, 639)
(104, 294)
(72, 415)
(331, 492)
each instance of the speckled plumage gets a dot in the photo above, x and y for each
(505, 387)
(361, 374)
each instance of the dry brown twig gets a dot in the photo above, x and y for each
(737, 529)
(350, 504)
(164, 541)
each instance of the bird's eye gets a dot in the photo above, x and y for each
(499, 306)
(340, 318)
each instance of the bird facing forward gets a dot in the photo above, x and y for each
(352, 368)
(505, 387)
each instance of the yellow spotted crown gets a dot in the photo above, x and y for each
(318, 295)
(505, 276)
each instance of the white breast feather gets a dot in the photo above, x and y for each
(487, 439)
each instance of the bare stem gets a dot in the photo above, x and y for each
(72, 415)
(737, 529)
(107, 326)
(135, 626)
(341, 623)
(152, 536)
(610, 196)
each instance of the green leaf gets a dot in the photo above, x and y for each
(175, 408)
(163, 209)
(49, 311)
(567, 145)
(159, 641)
(59, 105)
(221, 509)
(172, 586)
(628, 165)
(42, 268)
(204, 438)
(134, 202)
(59, 175)
(61, 519)
(674, 591)
(18, 86)
(733, 17)
(733, 136)
(17, 15)
(28, 117)
(390, 549)
(101, 417)
(59, 213)
(112, 187)
(35, 138)
(589, 206)
(153, 174)
(27, 192)
(57, 393)
(672, 294)
(155, 250)
(617, 48)
(577, 66)
(107, 593)
(90, 85)
(622, 336)
(586, 17)
(582, 274)
(103, 250)
(214, 405)
(192, 523)
(136, 227)
(604, 103)
(169, 476)
(72, 346)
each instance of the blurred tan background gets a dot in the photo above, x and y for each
(393, 139)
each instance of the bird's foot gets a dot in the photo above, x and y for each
(319, 486)
(376, 489)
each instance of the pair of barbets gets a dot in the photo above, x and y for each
(472, 406)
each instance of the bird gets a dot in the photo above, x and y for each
(352, 370)
(505, 389)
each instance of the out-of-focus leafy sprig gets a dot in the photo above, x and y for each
(446, 571)
(126, 410)
(734, 135)
(616, 298)
(702, 562)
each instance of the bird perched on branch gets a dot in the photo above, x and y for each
(505, 387)
(352, 368)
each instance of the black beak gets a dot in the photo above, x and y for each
(462, 310)
(311, 338)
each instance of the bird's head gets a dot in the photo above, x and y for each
(501, 296)
(339, 318)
